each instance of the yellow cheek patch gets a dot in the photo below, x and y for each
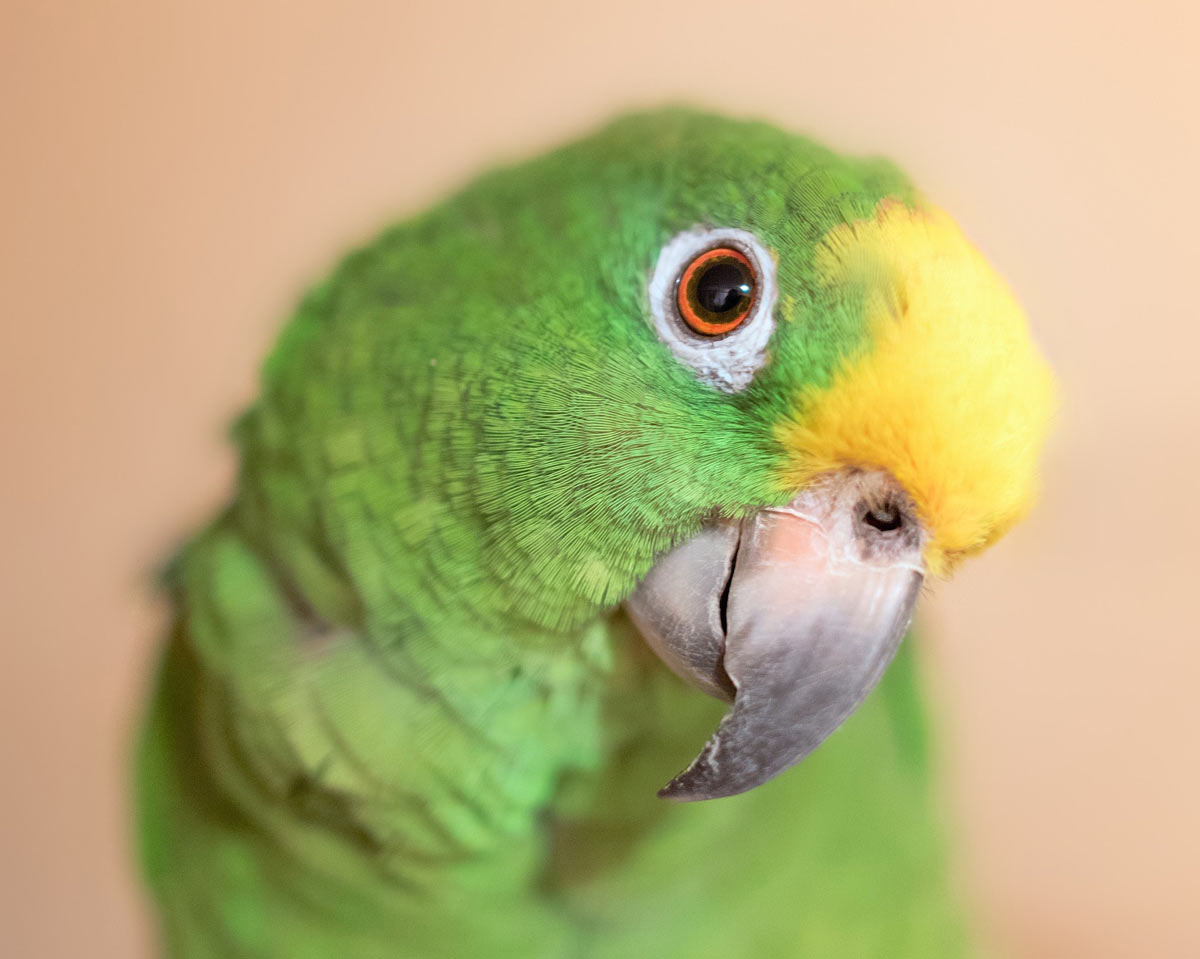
(951, 396)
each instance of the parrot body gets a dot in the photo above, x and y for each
(403, 711)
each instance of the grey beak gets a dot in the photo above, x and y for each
(793, 614)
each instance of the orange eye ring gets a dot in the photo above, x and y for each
(717, 291)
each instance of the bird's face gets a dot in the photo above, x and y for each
(754, 391)
(877, 384)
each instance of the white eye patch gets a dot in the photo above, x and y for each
(712, 301)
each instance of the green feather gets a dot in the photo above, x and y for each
(401, 712)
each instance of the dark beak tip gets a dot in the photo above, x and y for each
(700, 782)
(681, 791)
(677, 791)
(691, 784)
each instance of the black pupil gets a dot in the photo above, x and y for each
(722, 287)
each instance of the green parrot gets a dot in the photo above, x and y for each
(622, 467)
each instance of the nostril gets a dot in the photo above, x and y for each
(884, 518)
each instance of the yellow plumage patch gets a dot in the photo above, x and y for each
(951, 396)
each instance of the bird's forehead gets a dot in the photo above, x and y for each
(948, 392)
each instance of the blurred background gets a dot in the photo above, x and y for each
(173, 176)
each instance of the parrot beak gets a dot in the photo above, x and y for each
(791, 614)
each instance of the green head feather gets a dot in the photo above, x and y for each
(479, 406)
(398, 687)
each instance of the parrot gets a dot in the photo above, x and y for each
(571, 515)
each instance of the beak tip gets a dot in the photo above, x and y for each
(677, 791)
(701, 781)
(680, 790)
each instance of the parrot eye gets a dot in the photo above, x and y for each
(716, 291)
(712, 299)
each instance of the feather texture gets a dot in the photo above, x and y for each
(401, 712)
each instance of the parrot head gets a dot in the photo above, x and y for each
(750, 390)
(914, 448)
(773, 390)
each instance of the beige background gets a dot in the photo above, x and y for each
(173, 176)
